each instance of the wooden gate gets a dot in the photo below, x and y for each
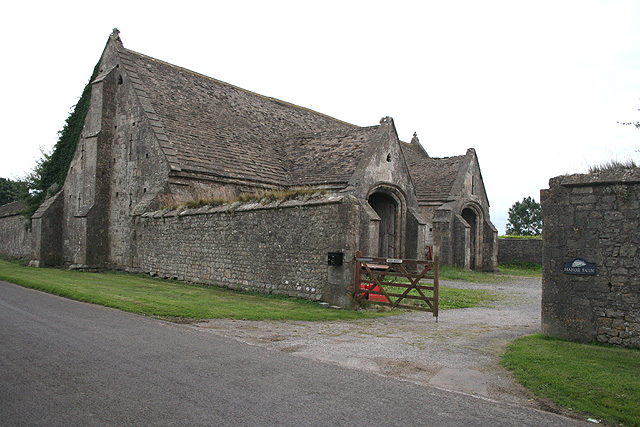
(401, 283)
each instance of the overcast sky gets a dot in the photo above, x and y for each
(536, 87)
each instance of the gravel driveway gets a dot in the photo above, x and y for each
(459, 353)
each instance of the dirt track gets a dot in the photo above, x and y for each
(459, 353)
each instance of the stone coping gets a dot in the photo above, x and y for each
(622, 176)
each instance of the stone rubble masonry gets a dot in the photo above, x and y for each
(519, 250)
(278, 249)
(595, 217)
(16, 238)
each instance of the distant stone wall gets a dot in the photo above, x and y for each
(594, 218)
(279, 249)
(16, 238)
(520, 250)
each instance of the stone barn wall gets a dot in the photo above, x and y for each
(520, 250)
(278, 249)
(16, 238)
(595, 218)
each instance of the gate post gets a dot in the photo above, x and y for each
(436, 285)
(358, 277)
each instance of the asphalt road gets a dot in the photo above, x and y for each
(69, 363)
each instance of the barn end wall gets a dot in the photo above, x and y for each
(594, 218)
(278, 249)
(16, 239)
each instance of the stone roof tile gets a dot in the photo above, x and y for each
(219, 129)
(326, 157)
(12, 208)
(433, 178)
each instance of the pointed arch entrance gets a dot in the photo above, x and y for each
(387, 209)
(472, 243)
(389, 203)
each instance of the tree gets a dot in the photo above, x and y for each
(48, 176)
(10, 191)
(525, 218)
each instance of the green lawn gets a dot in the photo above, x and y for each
(168, 299)
(505, 274)
(598, 380)
(466, 298)
(175, 300)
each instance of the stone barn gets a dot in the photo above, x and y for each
(157, 135)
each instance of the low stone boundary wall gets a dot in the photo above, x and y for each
(276, 248)
(519, 250)
(591, 270)
(16, 238)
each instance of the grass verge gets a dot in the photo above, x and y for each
(598, 380)
(168, 299)
(175, 300)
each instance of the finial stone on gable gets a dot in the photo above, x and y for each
(115, 35)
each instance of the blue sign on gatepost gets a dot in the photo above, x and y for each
(580, 266)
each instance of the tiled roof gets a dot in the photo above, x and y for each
(211, 127)
(432, 177)
(11, 209)
(327, 157)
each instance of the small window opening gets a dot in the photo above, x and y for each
(389, 157)
(119, 80)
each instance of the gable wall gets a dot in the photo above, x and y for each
(139, 170)
(118, 167)
(383, 163)
(85, 197)
(450, 237)
(473, 187)
(383, 169)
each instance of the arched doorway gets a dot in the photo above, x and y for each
(387, 209)
(471, 218)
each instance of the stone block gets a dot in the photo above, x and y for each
(592, 217)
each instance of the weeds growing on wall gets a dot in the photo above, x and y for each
(510, 236)
(266, 196)
(613, 165)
